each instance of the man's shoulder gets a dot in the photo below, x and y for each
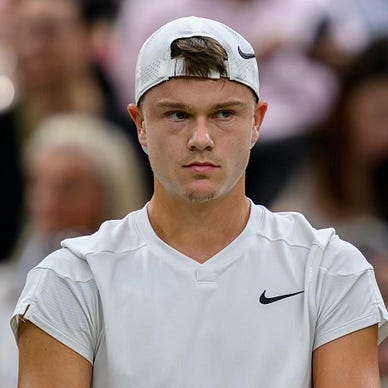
(66, 265)
(293, 229)
(113, 237)
(331, 253)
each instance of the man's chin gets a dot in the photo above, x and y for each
(200, 197)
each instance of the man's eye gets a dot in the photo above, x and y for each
(177, 115)
(224, 114)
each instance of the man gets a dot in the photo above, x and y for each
(200, 288)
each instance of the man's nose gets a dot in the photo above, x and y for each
(200, 136)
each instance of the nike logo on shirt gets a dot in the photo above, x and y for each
(267, 300)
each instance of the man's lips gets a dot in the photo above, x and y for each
(201, 167)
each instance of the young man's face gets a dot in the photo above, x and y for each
(198, 133)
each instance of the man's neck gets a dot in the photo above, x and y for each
(199, 230)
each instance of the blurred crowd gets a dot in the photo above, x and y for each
(69, 157)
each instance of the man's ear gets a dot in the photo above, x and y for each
(137, 116)
(260, 109)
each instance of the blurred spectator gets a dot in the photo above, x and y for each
(347, 28)
(345, 182)
(297, 88)
(80, 171)
(7, 58)
(56, 72)
(103, 15)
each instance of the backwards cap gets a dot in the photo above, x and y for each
(155, 65)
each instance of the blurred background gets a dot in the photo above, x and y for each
(69, 157)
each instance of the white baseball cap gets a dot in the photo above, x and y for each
(155, 65)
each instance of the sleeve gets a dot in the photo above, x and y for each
(347, 296)
(65, 309)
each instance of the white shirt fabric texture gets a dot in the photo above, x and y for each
(147, 316)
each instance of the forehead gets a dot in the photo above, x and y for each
(199, 91)
(61, 158)
(42, 10)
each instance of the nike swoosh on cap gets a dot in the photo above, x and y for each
(245, 55)
(267, 300)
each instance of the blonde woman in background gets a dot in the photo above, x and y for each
(80, 171)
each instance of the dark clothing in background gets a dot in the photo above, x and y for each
(11, 140)
(11, 184)
(271, 164)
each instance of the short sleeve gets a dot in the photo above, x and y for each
(347, 296)
(65, 309)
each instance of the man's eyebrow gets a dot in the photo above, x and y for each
(228, 104)
(172, 105)
(185, 107)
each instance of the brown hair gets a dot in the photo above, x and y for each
(333, 138)
(201, 55)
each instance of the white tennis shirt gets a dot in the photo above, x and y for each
(147, 316)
